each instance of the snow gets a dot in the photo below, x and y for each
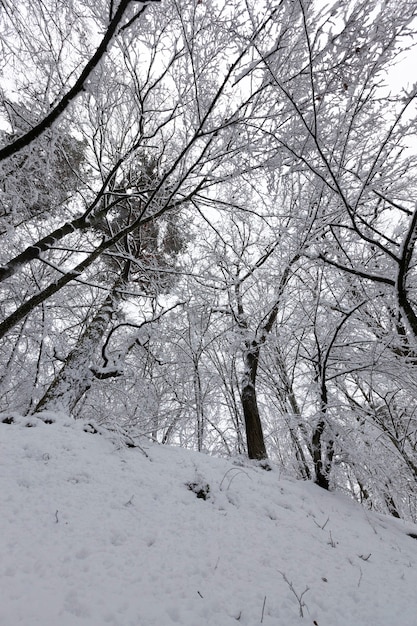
(95, 533)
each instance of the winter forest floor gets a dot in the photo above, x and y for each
(95, 533)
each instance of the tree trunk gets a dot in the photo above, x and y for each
(322, 457)
(322, 454)
(75, 377)
(199, 405)
(254, 434)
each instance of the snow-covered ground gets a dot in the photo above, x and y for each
(94, 533)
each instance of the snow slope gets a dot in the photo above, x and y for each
(94, 533)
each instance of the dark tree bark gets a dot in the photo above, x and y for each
(35, 132)
(403, 268)
(323, 452)
(253, 425)
(254, 433)
(322, 456)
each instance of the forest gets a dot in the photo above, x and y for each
(208, 223)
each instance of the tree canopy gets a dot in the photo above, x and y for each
(208, 227)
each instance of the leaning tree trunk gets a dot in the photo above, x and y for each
(76, 375)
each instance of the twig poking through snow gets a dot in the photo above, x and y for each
(236, 469)
(263, 610)
(299, 596)
(324, 525)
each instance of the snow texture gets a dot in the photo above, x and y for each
(93, 533)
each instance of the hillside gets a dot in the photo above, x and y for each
(94, 533)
